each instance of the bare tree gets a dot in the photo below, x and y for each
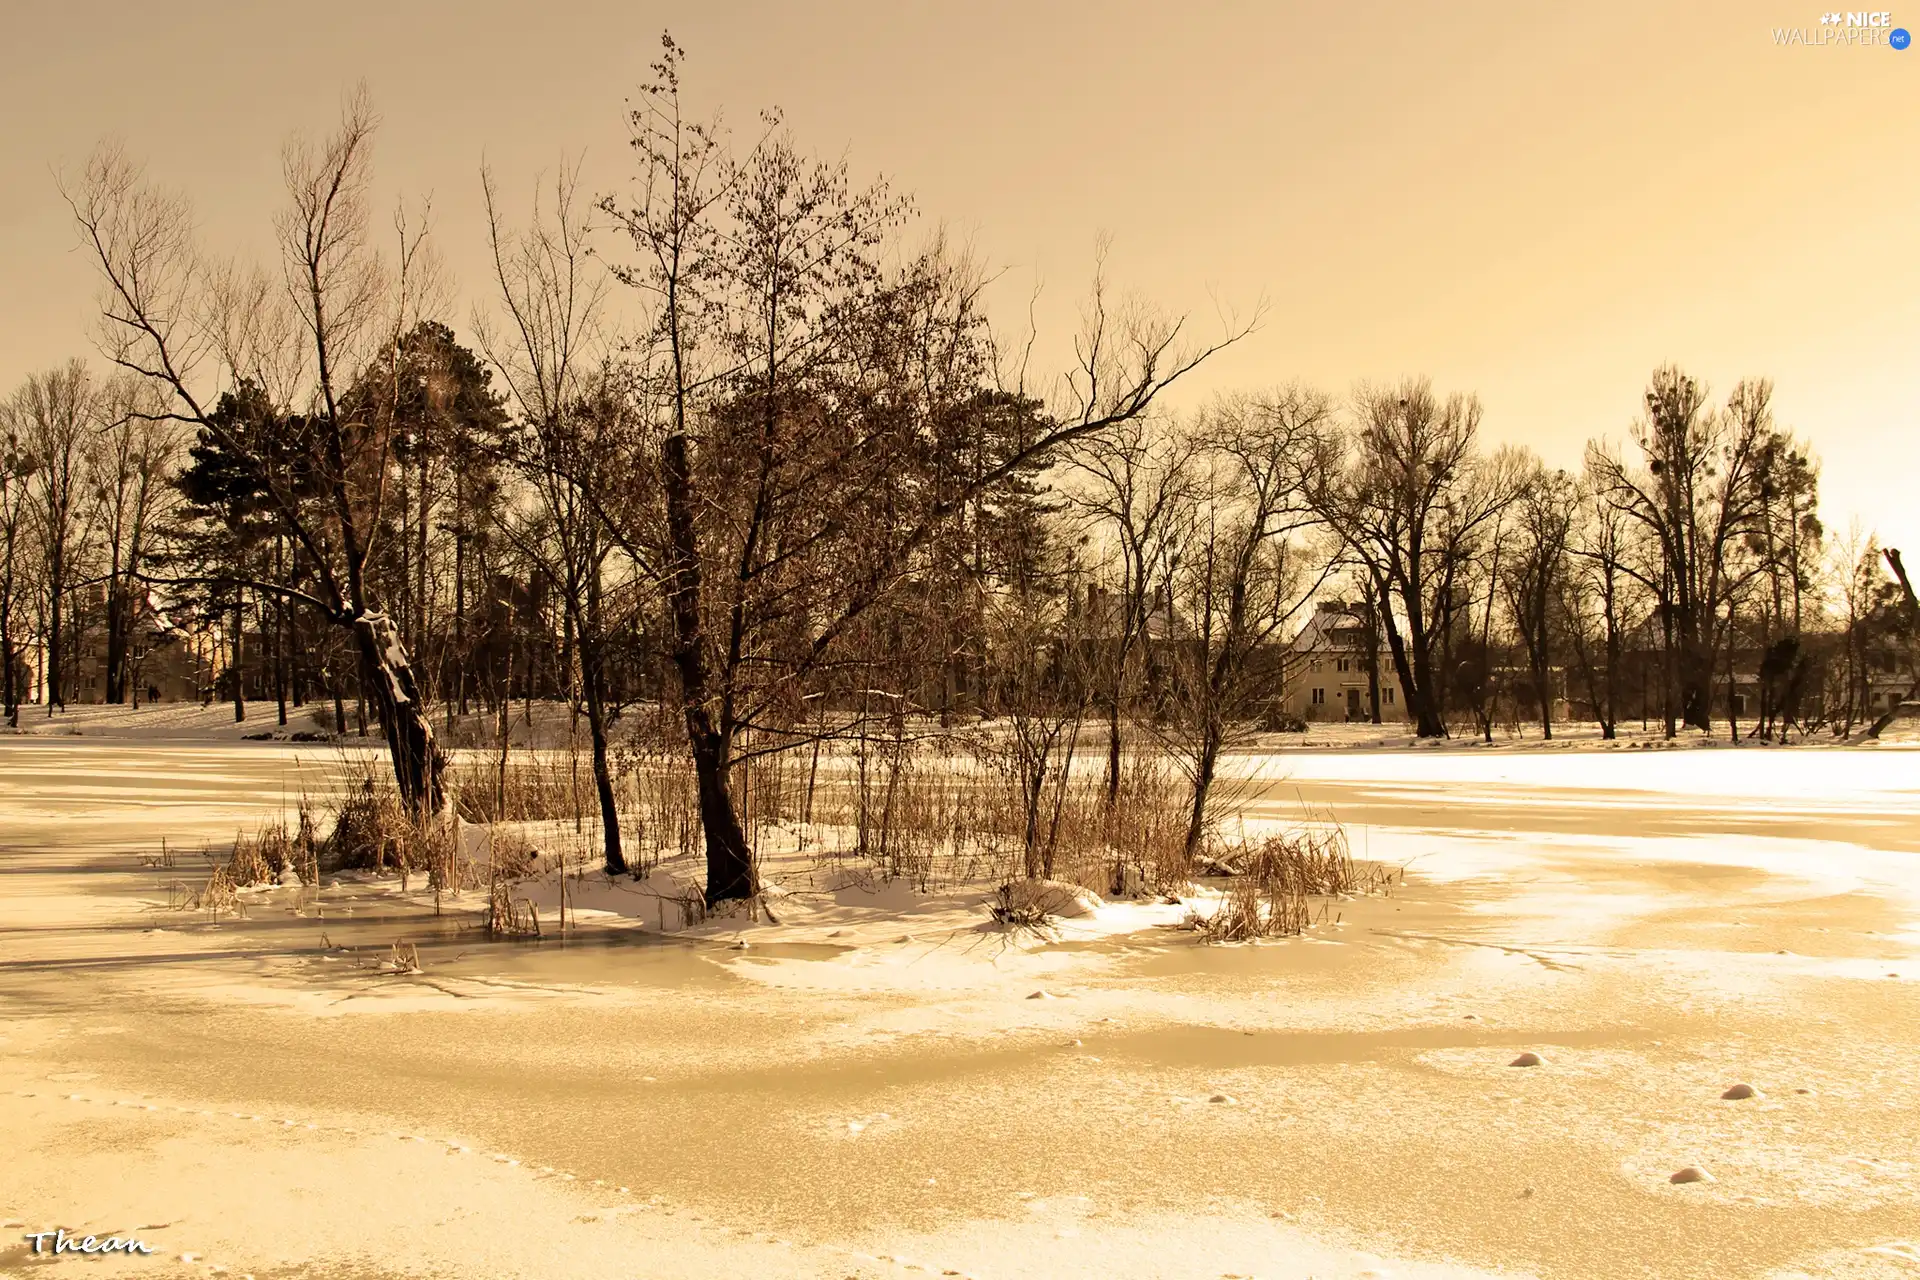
(1594, 597)
(1413, 499)
(1041, 673)
(16, 565)
(1542, 519)
(1856, 569)
(1696, 496)
(201, 334)
(1242, 571)
(56, 412)
(1786, 543)
(1910, 609)
(786, 517)
(132, 461)
(569, 403)
(1138, 477)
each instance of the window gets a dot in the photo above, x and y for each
(1314, 665)
(1319, 697)
(1387, 693)
(1346, 664)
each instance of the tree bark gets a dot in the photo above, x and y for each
(1913, 611)
(730, 871)
(12, 692)
(1204, 768)
(280, 638)
(387, 678)
(593, 680)
(1372, 619)
(116, 640)
(239, 650)
(1426, 719)
(56, 657)
(1609, 725)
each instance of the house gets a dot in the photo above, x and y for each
(164, 663)
(1328, 668)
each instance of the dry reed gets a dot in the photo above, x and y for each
(1273, 883)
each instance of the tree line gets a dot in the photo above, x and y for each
(810, 494)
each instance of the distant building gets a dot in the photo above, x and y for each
(165, 663)
(1328, 669)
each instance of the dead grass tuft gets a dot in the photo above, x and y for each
(509, 860)
(404, 958)
(1017, 911)
(371, 831)
(219, 897)
(1275, 882)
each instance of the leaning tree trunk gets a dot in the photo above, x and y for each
(1913, 611)
(387, 677)
(1205, 765)
(614, 856)
(730, 872)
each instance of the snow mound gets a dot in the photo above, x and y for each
(1050, 897)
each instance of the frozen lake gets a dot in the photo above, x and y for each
(1656, 924)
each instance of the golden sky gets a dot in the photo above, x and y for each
(1535, 202)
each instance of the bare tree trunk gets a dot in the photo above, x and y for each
(593, 680)
(1060, 795)
(422, 525)
(1610, 726)
(11, 673)
(1913, 611)
(505, 729)
(387, 676)
(116, 639)
(1419, 702)
(1427, 719)
(280, 638)
(1695, 672)
(461, 657)
(1667, 671)
(1113, 750)
(1372, 619)
(239, 650)
(56, 656)
(730, 872)
(1205, 766)
(1733, 716)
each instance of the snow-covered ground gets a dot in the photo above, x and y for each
(878, 1085)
